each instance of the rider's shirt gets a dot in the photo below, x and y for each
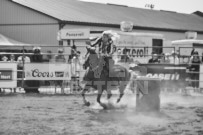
(104, 47)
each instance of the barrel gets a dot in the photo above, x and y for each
(147, 94)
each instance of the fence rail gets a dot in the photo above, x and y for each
(21, 73)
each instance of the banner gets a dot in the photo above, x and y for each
(47, 71)
(173, 76)
(137, 47)
(8, 75)
(74, 34)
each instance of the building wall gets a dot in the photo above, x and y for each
(26, 25)
(168, 35)
(13, 13)
(32, 34)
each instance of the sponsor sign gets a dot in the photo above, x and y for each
(126, 26)
(137, 47)
(8, 75)
(170, 74)
(5, 74)
(74, 34)
(46, 71)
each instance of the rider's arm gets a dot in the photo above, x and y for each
(99, 40)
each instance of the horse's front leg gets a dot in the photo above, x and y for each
(87, 103)
(99, 99)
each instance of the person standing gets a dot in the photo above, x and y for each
(174, 58)
(154, 58)
(4, 58)
(60, 58)
(12, 58)
(194, 67)
(21, 60)
(33, 85)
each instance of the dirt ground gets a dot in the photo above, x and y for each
(38, 114)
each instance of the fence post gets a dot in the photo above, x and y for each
(23, 70)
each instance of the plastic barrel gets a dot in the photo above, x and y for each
(148, 94)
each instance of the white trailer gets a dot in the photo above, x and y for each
(139, 45)
(185, 47)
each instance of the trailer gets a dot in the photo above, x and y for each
(139, 46)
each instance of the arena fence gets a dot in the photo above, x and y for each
(53, 74)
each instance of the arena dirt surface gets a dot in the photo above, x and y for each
(37, 114)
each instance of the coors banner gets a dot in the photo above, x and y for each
(46, 71)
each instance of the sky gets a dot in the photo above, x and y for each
(180, 6)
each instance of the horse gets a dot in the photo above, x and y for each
(102, 74)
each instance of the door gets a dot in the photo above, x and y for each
(157, 45)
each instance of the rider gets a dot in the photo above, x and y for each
(105, 48)
(105, 44)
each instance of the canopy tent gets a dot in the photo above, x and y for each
(5, 41)
(8, 45)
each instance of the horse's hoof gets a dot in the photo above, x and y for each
(87, 103)
(104, 106)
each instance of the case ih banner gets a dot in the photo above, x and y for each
(46, 71)
(173, 76)
(8, 75)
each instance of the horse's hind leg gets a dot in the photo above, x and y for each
(122, 87)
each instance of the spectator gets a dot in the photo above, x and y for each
(202, 56)
(194, 67)
(79, 57)
(4, 58)
(60, 56)
(23, 58)
(165, 58)
(162, 58)
(21, 61)
(117, 56)
(48, 56)
(37, 56)
(12, 58)
(125, 57)
(33, 85)
(154, 58)
(73, 51)
(174, 58)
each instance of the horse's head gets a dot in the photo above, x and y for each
(92, 57)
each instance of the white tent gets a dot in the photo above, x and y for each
(8, 42)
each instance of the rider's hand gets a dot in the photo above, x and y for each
(88, 42)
